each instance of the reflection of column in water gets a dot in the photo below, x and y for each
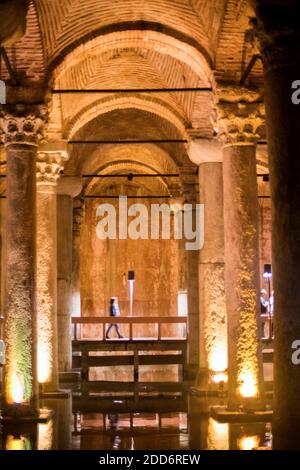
(45, 435)
(18, 443)
(62, 423)
(218, 435)
(114, 425)
(25, 438)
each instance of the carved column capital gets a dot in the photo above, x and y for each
(240, 116)
(22, 124)
(49, 166)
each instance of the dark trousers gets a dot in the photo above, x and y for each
(117, 328)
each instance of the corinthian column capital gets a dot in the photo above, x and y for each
(240, 116)
(49, 166)
(22, 124)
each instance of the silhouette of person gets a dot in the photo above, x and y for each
(114, 312)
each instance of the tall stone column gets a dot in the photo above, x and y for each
(213, 360)
(191, 197)
(21, 133)
(49, 166)
(78, 215)
(67, 189)
(241, 123)
(280, 41)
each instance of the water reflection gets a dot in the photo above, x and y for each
(191, 428)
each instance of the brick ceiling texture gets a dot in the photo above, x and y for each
(133, 44)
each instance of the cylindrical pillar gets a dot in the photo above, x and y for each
(67, 189)
(213, 358)
(241, 123)
(20, 383)
(78, 214)
(280, 39)
(49, 165)
(191, 256)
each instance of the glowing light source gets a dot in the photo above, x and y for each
(219, 377)
(20, 443)
(217, 359)
(248, 442)
(44, 364)
(131, 284)
(248, 387)
(217, 435)
(16, 389)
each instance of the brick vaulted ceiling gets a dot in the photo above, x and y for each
(134, 44)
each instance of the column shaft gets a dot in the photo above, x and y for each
(213, 321)
(64, 252)
(242, 272)
(47, 286)
(284, 151)
(20, 387)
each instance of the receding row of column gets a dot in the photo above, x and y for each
(229, 291)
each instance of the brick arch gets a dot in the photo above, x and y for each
(151, 157)
(142, 103)
(69, 22)
(145, 39)
(112, 168)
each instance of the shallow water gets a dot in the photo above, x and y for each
(190, 427)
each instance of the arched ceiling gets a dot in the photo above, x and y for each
(127, 124)
(133, 44)
(66, 22)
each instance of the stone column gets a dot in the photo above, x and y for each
(49, 166)
(78, 215)
(213, 360)
(22, 131)
(191, 197)
(280, 40)
(241, 122)
(67, 189)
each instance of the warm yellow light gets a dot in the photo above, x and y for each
(45, 436)
(217, 435)
(14, 444)
(220, 377)
(16, 389)
(248, 442)
(248, 387)
(44, 364)
(217, 360)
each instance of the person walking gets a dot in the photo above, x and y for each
(114, 311)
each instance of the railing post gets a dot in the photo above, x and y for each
(159, 331)
(75, 331)
(130, 331)
(103, 331)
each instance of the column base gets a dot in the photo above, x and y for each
(58, 394)
(70, 376)
(40, 417)
(225, 415)
(205, 387)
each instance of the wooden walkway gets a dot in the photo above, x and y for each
(135, 351)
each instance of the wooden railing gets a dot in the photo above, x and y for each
(131, 321)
